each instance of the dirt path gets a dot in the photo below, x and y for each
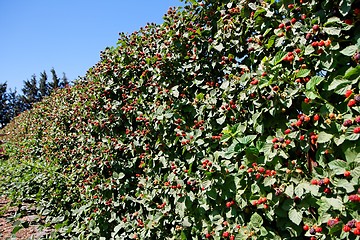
(30, 222)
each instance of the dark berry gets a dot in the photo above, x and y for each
(357, 98)
(347, 123)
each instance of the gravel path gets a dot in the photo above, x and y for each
(30, 221)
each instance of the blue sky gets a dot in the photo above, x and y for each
(66, 35)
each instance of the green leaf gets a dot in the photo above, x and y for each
(338, 83)
(295, 216)
(175, 91)
(313, 82)
(278, 58)
(343, 183)
(335, 203)
(221, 120)
(118, 175)
(345, 6)
(219, 47)
(338, 166)
(271, 41)
(289, 190)
(332, 30)
(303, 73)
(247, 139)
(252, 153)
(212, 194)
(309, 50)
(256, 220)
(324, 137)
(349, 50)
(16, 229)
(333, 21)
(299, 189)
(183, 236)
(355, 173)
(352, 73)
(118, 227)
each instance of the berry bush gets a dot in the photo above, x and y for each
(231, 120)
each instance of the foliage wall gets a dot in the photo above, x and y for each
(231, 120)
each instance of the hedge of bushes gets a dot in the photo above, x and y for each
(231, 120)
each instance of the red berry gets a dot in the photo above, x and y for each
(281, 25)
(348, 21)
(228, 204)
(351, 103)
(357, 225)
(287, 131)
(318, 229)
(254, 82)
(348, 93)
(303, 17)
(314, 182)
(232, 237)
(326, 181)
(327, 190)
(225, 234)
(356, 231)
(314, 44)
(354, 198)
(316, 27)
(347, 173)
(291, 6)
(316, 117)
(357, 119)
(356, 130)
(208, 235)
(305, 227)
(346, 228)
(293, 20)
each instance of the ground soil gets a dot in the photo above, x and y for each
(29, 219)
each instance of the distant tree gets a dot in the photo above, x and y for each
(15, 104)
(55, 81)
(12, 103)
(3, 105)
(43, 86)
(30, 92)
(64, 81)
